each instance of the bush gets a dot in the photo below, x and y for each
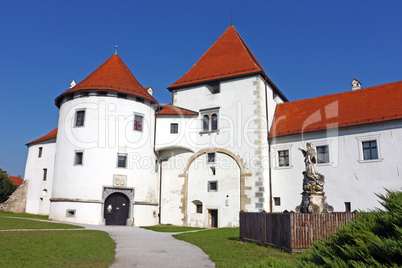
(374, 239)
(7, 187)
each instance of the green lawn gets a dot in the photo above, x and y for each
(23, 215)
(226, 250)
(54, 248)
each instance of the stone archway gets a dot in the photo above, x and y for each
(244, 199)
(127, 192)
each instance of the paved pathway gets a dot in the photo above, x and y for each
(137, 247)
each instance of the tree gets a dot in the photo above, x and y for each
(7, 187)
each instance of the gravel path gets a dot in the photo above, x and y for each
(137, 247)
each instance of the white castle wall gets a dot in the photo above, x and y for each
(347, 177)
(39, 191)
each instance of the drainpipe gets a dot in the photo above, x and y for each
(160, 160)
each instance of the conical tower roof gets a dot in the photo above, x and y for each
(112, 75)
(229, 56)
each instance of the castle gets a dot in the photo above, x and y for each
(228, 142)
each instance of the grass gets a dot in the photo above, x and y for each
(171, 228)
(226, 250)
(23, 215)
(54, 248)
(12, 224)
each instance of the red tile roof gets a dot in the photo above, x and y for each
(228, 57)
(168, 109)
(113, 75)
(16, 180)
(51, 135)
(363, 106)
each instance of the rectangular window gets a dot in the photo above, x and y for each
(199, 208)
(209, 120)
(79, 118)
(277, 201)
(212, 186)
(40, 152)
(174, 128)
(138, 122)
(283, 158)
(211, 157)
(44, 174)
(370, 150)
(78, 160)
(322, 154)
(122, 160)
(348, 207)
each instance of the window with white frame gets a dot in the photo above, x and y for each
(122, 160)
(283, 158)
(210, 120)
(322, 154)
(79, 118)
(174, 128)
(369, 148)
(138, 120)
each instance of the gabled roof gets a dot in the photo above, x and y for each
(363, 106)
(228, 57)
(16, 180)
(169, 109)
(51, 135)
(112, 75)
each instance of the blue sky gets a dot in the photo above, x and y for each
(307, 48)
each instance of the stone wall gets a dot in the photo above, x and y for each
(17, 201)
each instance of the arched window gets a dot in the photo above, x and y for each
(205, 123)
(214, 122)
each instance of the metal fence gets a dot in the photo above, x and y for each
(292, 232)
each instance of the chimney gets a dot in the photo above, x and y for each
(356, 84)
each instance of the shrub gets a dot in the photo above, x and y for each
(374, 239)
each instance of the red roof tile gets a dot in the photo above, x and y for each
(168, 109)
(16, 180)
(113, 75)
(51, 135)
(363, 106)
(229, 56)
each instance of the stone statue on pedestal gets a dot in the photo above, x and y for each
(313, 195)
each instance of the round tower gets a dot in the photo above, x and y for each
(105, 163)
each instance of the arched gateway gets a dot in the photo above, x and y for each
(116, 209)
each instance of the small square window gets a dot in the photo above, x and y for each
(277, 201)
(174, 128)
(78, 160)
(211, 157)
(322, 154)
(212, 186)
(79, 118)
(44, 174)
(348, 207)
(40, 152)
(370, 150)
(122, 161)
(283, 158)
(138, 122)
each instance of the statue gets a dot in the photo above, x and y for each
(313, 200)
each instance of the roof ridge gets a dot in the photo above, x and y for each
(344, 92)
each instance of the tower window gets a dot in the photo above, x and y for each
(122, 160)
(212, 186)
(79, 118)
(138, 122)
(174, 128)
(44, 174)
(211, 157)
(78, 160)
(40, 152)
